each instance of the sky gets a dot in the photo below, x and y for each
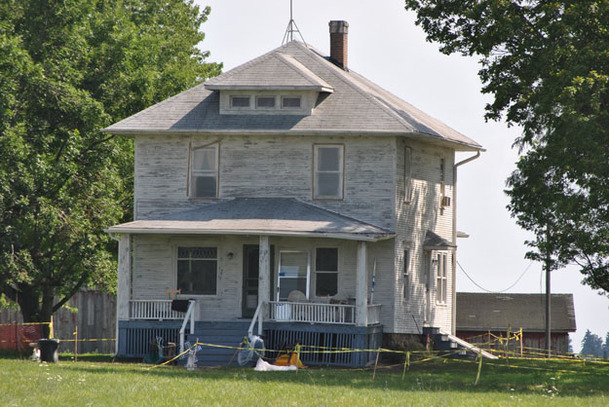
(388, 48)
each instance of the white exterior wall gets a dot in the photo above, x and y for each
(413, 220)
(267, 167)
(282, 166)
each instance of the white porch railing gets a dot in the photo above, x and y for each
(153, 309)
(319, 313)
(190, 316)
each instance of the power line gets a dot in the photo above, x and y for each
(491, 291)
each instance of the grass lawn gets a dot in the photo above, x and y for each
(98, 382)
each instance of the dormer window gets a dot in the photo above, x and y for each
(240, 102)
(265, 102)
(290, 102)
(268, 102)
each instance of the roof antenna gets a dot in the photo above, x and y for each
(291, 29)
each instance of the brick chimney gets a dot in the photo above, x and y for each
(339, 31)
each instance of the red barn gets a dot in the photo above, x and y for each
(485, 319)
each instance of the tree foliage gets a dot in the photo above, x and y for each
(68, 69)
(547, 65)
(592, 345)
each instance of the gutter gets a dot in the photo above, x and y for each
(454, 239)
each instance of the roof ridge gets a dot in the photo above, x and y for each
(354, 82)
(343, 76)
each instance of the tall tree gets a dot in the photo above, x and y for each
(68, 69)
(592, 345)
(545, 63)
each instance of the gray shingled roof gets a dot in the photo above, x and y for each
(270, 71)
(435, 242)
(258, 216)
(356, 106)
(497, 312)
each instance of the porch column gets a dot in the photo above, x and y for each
(264, 277)
(123, 294)
(361, 286)
(124, 278)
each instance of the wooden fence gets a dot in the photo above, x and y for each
(92, 312)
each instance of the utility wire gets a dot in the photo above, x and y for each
(491, 291)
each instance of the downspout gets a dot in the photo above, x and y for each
(454, 242)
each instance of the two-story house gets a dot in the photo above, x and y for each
(295, 189)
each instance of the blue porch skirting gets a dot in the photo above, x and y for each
(135, 337)
(323, 344)
(329, 345)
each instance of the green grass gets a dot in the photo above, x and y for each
(94, 380)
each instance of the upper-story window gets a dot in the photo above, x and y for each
(328, 171)
(204, 171)
(407, 174)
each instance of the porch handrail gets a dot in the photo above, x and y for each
(257, 317)
(152, 309)
(189, 315)
(312, 312)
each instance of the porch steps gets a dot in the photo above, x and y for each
(222, 333)
(444, 341)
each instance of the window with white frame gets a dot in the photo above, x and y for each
(441, 277)
(294, 273)
(197, 270)
(204, 171)
(326, 271)
(328, 164)
(407, 174)
(406, 275)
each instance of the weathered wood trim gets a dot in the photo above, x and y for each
(124, 278)
(264, 276)
(361, 286)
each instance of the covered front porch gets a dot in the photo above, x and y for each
(277, 268)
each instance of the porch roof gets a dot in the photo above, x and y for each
(258, 216)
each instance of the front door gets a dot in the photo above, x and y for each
(249, 301)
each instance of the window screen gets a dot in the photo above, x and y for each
(265, 102)
(197, 270)
(240, 101)
(290, 102)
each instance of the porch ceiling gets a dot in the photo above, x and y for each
(258, 216)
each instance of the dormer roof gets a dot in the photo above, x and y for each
(272, 71)
(356, 105)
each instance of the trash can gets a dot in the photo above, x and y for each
(49, 350)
